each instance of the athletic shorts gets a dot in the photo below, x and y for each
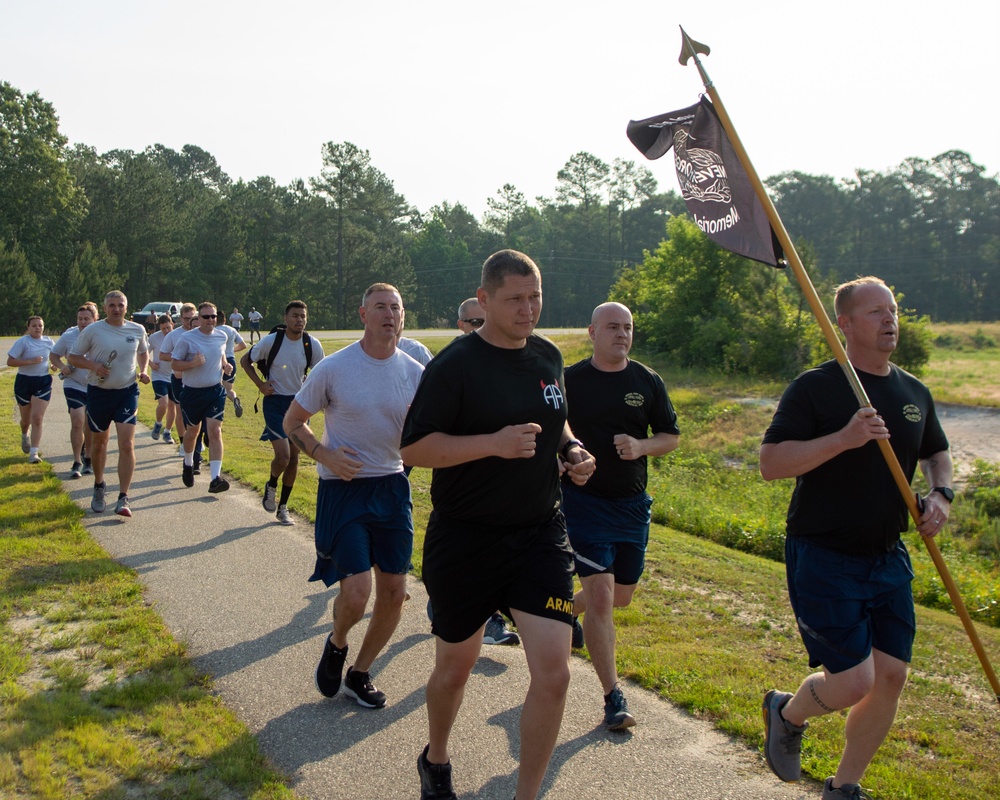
(105, 406)
(75, 398)
(28, 386)
(161, 389)
(363, 523)
(609, 535)
(231, 377)
(199, 403)
(176, 387)
(471, 571)
(275, 406)
(845, 605)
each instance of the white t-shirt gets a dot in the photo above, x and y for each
(289, 365)
(77, 379)
(236, 319)
(212, 346)
(255, 316)
(30, 347)
(364, 401)
(115, 346)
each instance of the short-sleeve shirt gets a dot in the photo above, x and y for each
(415, 350)
(77, 379)
(161, 373)
(233, 338)
(364, 401)
(851, 503)
(29, 347)
(289, 366)
(235, 319)
(115, 346)
(212, 346)
(602, 405)
(472, 387)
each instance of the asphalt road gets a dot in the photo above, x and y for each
(231, 583)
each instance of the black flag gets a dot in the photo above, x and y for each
(713, 183)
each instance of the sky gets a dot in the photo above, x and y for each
(454, 98)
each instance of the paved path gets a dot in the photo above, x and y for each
(231, 583)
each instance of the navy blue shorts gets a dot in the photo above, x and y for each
(845, 605)
(105, 406)
(275, 407)
(75, 398)
(28, 386)
(176, 387)
(471, 571)
(199, 403)
(362, 523)
(231, 377)
(161, 389)
(609, 535)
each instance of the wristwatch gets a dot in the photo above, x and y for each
(565, 448)
(949, 495)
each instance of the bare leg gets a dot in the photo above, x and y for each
(453, 663)
(37, 407)
(390, 592)
(77, 424)
(601, 596)
(99, 453)
(349, 606)
(126, 455)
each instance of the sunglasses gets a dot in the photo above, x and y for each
(209, 316)
(475, 322)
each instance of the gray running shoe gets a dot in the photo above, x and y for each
(157, 429)
(35, 458)
(497, 632)
(616, 716)
(25, 443)
(270, 498)
(435, 779)
(284, 517)
(88, 468)
(359, 686)
(849, 791)
(330, 669)
(77, 470)
(97, 502)
(782, 740)
(122, 509)
(167, 438)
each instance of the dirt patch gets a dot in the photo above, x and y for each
(974, 432)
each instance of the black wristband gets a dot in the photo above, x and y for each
(564, 450)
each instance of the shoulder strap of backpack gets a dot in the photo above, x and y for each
(307, 344)
(279, 337)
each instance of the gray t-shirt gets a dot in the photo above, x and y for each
(415, 350)
(364, 401)
(162, 372)
(289, 364)
(170, 342)
(115, 346)
(29, 347)
(233, 338)
(77, 379)
(212, 346)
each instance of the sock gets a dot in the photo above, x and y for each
(188, 459)
(121, 495)
(216, 468)
(286, 492)
(100, 485)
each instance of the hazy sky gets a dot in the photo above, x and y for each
(454, 98)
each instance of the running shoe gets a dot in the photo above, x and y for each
(497, 632)
(167, 438)
(330, 669)
(359, 686)
(578, 641)
(77, 470)
(435, 779)
(35, 458)
(284, 517)
(97, 502)
(238, 406)
(270, 498)
(187, 475)
(157, 429)
(121, 507)
(782, 740)
(849, 791)
(25, 443)
(616, 716)
(88, 468)
(218, 485)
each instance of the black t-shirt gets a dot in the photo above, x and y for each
(472, 387)
(604, 404)
(851, 502)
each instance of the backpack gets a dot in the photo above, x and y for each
(264, 364)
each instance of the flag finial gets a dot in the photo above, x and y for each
(690, 49)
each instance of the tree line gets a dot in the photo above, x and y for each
(169, 225)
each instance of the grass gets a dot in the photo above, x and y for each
(964, 366)
(98, 699)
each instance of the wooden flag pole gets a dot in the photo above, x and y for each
(691, 49)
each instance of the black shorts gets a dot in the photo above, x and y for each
(471, 571)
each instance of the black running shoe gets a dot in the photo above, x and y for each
(359, 686)
(330, 669)
(218, 485)
(616, 716)
(188, 476)
(577, 634)
(435, 779)
(238, 406)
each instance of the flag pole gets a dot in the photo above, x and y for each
(690, 49)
